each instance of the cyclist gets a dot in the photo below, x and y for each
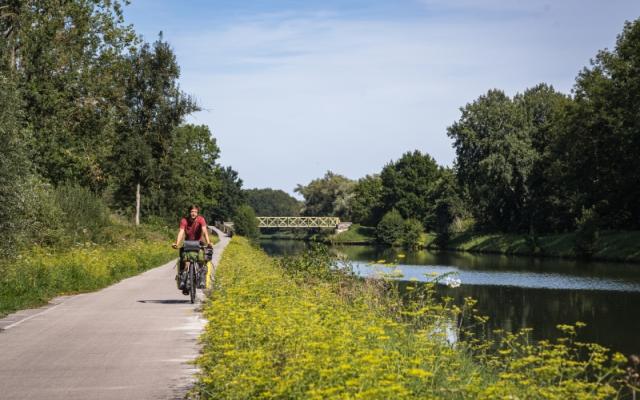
(192, 227)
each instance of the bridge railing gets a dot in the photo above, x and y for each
(298, 222)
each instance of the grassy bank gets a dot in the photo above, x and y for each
(299, 329)
(357, 234)
(39, 274)
(608, 246)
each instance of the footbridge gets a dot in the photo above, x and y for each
(298, 222)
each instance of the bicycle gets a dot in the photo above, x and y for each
(196, 274)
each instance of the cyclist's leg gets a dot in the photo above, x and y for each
(179, 268)
(189, 258)
(185, 260)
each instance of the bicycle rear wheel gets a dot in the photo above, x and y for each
(192, 282)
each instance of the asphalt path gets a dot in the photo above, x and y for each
(133, 340)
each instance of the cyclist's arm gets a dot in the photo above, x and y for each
(205, 231)
(180, 237)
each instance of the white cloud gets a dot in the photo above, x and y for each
(289, 97)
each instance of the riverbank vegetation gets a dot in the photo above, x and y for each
(609, 245)
(537, 164)
(35, 275)
(300, 328)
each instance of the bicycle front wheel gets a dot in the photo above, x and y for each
(192, 282)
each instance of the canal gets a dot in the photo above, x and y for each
(517, 292)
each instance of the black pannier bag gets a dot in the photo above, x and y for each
(191, 245)
(202, 279)
(208, 253)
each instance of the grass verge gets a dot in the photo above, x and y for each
(301, 330)
(33, 278)
(609, 246)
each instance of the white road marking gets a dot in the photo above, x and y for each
(33, 316)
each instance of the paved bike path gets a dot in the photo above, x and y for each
(132, 340)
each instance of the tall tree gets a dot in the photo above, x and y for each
(189, 171)
(327, 196)
(155, 107)
(449, 206)
(229, 194)
(66, 57)
(597, 150)
(407, 185)
(270, 202)
(494, 159)
(366, 205)
(544, 205)
(14, 165)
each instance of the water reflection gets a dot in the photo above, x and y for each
(524, 279)
(518, 292)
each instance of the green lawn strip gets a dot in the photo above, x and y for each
(35, 277)
(356, 234)
(610, 245)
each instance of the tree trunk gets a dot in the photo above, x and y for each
(137, 204)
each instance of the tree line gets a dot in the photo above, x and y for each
(537, 162)
(88, 108)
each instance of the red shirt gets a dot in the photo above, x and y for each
(193, 229)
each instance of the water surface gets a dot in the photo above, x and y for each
(517, 292)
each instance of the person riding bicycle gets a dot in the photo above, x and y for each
(192, 227)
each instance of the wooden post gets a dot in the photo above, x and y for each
(137, 204)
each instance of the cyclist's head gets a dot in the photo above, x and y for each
(193, 210)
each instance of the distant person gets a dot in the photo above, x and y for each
(192, 227)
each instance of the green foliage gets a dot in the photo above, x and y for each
(408, 183)
(412, 233)
(66, 60)
(14, 165)
(245, 222)
(44, 219)
(534, 162)
(317, 263)
(587, 233)
(269, 202)
(148, 146)
(327, 196)
(494, 142)
(229, 194)
(598, 143)
(88, 112)
(84, 214)
(366, 203)
(190, 171)
(449, 210)
(390, 230)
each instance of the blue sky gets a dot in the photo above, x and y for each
(291, 89)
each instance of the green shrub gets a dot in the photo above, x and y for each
(390, 229)
(412, 233)
(318, 262)
(14, 165)
(245, 222)
(44, 219)
(587, 233)
(84, 213)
